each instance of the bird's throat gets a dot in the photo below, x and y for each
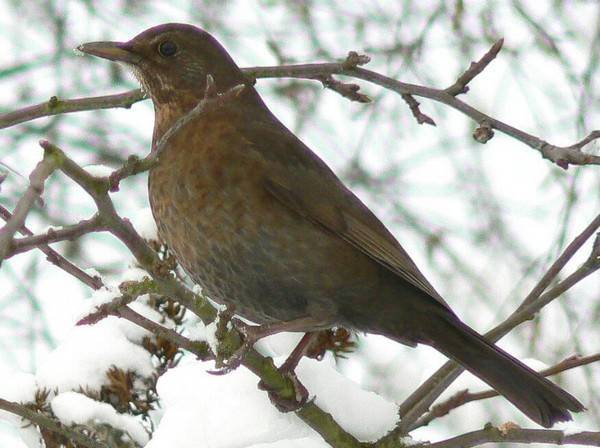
(167, 114)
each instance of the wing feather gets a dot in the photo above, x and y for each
(301, 181)
(368, 235)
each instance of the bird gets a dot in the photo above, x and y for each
(257, 219)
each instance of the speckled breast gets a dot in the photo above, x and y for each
(230, 235)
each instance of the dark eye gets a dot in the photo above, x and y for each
(167, 48)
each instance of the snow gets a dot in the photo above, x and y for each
(81, 361)
(206, 333)
(93, 272)
(89, 351)
(99, 170)
(305, 442)
(17, 386)
(347, 402)
(409, 441)
(104, 295)
(198, 409)
(98, 298)
(144, 224)
(278, 345)
(134, 275)
(135, 333)
(75, 408)
(191, 419)
(20, 388)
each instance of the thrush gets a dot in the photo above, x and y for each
(262, 223)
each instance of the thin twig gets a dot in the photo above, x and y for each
(518, 435)
(563, 156)
(346, 89)
(57, 259)
(460, 86)
(134, 165)
(55, 106)
(65, 233)
(200, 348)
(211, 102)
(37, 178)
(416, 110)
(98, 189)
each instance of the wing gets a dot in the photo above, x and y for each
(303, 183)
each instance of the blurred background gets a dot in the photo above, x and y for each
(482, 221)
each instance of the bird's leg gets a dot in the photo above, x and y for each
(252, 333)
(288, 369)
(299, 351)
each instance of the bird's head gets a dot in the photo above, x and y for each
(171, 62)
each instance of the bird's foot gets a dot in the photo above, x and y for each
(250, 335)
(299, 399)
(288, 369)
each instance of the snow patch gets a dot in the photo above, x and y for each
(89, 351)
(99, 170)
(188, 394)
(144, 224)
(134, 275)
(75, 408)
(205, 333)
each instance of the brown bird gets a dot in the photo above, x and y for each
(257, 219)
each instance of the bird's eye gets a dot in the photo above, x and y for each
(167, 48)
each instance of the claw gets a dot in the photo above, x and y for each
(251, 334)
(287, 405)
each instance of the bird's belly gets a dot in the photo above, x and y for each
(246, 249)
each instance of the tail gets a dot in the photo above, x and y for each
(541, 400)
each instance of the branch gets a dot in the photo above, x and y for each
(563, 156)
(57, 259)
(212, 101)
(98, 189)
(515, 434)
(198, 348)
(422, 398)
(133, 166)
(44, 421)
(55, 106)
(37, 178)
(413, 105)
(347, 90)
(65, 233)
(460, 86)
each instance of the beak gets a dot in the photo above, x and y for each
(114, 51)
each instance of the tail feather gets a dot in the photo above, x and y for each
(538, 398)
